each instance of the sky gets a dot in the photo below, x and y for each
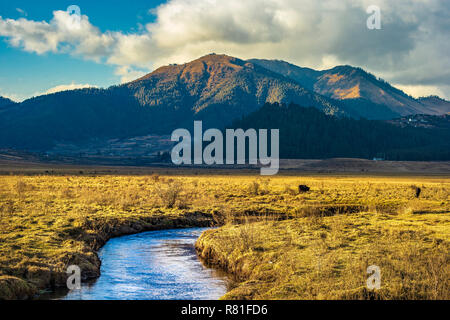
(45, 49)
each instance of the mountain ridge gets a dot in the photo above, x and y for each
(214, 89)
(221, 86)
(347, 83)
(5, 102)
(217, 89)
(436, 103)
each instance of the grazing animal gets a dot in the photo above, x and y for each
(418, 191)
(302, 188)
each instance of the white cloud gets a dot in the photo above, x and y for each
(64, 33)
(13, 97)
(418, 91)
(66, 87)
(128, 74)
(59, 88)
(411, 49)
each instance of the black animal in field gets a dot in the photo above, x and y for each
(302, 188)
(418, 191)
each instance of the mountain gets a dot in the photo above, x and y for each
(360, 92)
(5, 102)
(219, 89)
(216, 89)
(71, 116)
(436, 104)
(306, 133)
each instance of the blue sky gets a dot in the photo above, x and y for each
(23, 74)
(116, 41)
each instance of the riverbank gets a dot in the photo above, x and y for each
(50, 222)
(32, 278)
(326, 257)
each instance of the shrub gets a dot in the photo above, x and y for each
(169, 193)
(253, 188)
(247, 235)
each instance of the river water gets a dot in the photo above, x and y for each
(155, 265)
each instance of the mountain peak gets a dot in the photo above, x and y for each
(214, 62)
(210, 63)
(358, 89)
(218, 58)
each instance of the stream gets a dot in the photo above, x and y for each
(155, 265)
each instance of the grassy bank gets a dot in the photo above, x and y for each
(327, 258)
(49, 222)
(324, 251)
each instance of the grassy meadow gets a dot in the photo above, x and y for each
(277, 243)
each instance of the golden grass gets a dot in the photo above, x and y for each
(49, 222)
(327, 257)
(350, 93)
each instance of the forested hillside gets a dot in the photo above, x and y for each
(309, 133)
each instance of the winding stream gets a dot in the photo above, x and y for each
(155, 265)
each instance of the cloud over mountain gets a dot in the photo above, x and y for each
(66, 87)
(410, 49)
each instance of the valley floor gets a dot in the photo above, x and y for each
(277, 242)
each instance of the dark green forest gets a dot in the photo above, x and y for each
(311, 134)
(308, 133)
